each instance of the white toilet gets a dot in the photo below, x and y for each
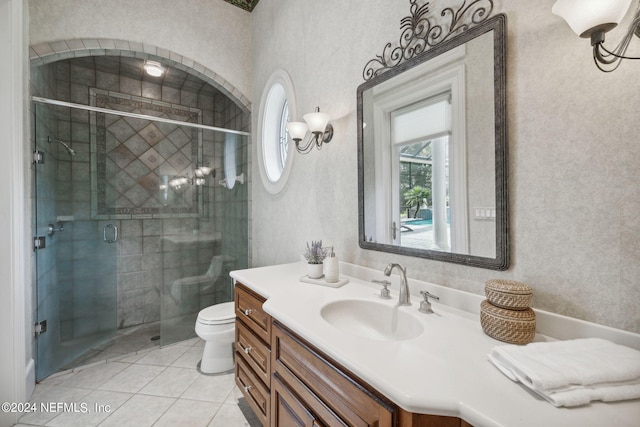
(215, 325)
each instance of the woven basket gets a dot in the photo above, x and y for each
(508, 294)
(512, 326)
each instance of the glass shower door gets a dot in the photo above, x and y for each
(76, 270)
(144, 230)
(199, 251)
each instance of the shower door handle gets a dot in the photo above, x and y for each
(114, 233)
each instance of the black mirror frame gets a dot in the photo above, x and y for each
(497, 24)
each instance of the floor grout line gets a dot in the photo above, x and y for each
(225, 406)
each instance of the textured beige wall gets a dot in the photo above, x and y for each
(574, 154)
(574, 151)
(211, 32)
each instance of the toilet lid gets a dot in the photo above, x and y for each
(218, 313)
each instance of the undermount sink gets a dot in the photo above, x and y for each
(373, 320)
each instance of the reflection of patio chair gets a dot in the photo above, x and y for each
(185, 289)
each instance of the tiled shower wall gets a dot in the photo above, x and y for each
(231, 213)
(147, 263)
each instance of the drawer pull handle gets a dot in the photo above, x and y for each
(247, 349)
(248, 312)
(247, 388)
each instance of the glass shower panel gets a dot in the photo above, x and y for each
(198, 252)
(147, 225)
(76, 270)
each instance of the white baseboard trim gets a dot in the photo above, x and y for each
(30, 378)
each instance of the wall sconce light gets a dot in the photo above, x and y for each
(199, 178)
(318, 124)
(592, 19)
(153, 68)
(200, 173)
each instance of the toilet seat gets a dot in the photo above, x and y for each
(218, 314)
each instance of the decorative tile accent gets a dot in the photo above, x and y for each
(136, 145)
(180, 162)
(121, 156)
(152, 159)
(151, 134)
(180, 137)
(139, 156)
(120, 129)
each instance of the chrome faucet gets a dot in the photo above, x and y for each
(404, 287)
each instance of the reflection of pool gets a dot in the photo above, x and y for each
(419, 222)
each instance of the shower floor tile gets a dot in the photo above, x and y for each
(125, 342)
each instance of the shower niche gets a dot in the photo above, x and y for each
(150, 231)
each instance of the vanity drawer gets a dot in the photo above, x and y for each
(254, 352)
(289, 410)
(248, 306)
(327, 390)
(253, 390)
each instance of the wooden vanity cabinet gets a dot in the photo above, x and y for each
(317, 386)
(409, 419)
(248, 306)
(253, 351)
(288, 382)
(288, 410)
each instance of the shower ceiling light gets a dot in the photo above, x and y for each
(153, 68)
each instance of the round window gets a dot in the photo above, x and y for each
(274, 149)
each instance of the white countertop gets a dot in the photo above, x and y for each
(445, 370)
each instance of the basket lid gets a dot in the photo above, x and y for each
(526, 315)
(508, 286)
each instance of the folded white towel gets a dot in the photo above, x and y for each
(574, 372)
(583, 395)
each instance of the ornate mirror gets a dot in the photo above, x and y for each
(432, 140)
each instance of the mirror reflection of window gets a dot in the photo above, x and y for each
(420, 135)
(471, 67)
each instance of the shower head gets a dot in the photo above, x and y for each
(70, 150)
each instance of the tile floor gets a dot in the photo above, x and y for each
(124, 342)
(152, 387)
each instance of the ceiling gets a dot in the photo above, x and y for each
(133, 68)
(244, 4)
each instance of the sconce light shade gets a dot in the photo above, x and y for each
(318, 124)
(317, 121)
(205, 170)
(592, 19)
(587, 16)
(297, 130)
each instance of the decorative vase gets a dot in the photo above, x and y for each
(314, 271)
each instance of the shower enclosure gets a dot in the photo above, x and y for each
(135, 220)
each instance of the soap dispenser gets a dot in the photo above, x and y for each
(331, 268)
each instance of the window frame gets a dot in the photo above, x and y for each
(271, 156)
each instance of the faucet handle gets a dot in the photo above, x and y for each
(384, 292)
(425, 306)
